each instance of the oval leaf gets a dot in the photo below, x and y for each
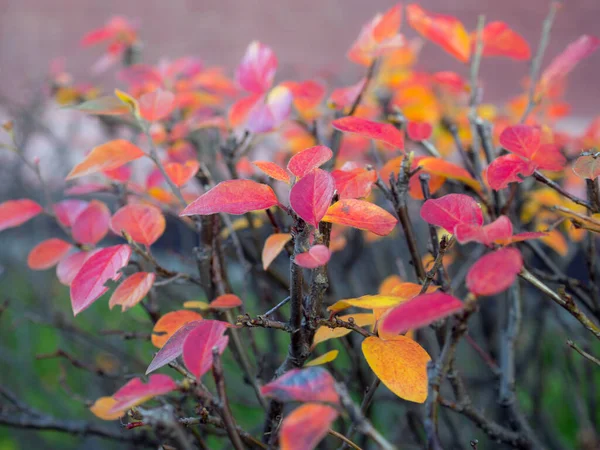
(273, 246)
(173, 348)
(168, 324)
(47, 254)
(304, 428)
(136, 392)
(499, 230)
(373, 130)
(419, 131)
(107, 156)
(323, 359)
(494, 272)
(16, 212)
(305, 161)
(132, 290)
(361, 214)
(317, 256)
(303, 385)
(198, 345)
(179, 173)
(273, 170)
(68, 210)
(451, 210)
(144, 223)
(156, 105)
(92, 224)
(311, 196)
(226, 301)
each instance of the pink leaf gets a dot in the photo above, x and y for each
(313, 384)
(16, 212)
(304, 162)
(173, 348)
(68, 210)
(92, 224)
(564, 63)
(199, 343)
(311, 196)
(451, 210)
(136, 392)
(317, 256)
(132, 290)
(373, 130)
(257, 70)
(419, 131)
(494, 272)
(156, 105)
(508, 169)
(499, 230)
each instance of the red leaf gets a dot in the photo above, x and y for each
(354, 183)
(419, 312)
(500, 40)
(107, 156)
(92, 224)
(136, 392)
(144, 223)
(451, 210)
(304, 428)
(373, 130)
(47, 254)
(564, 63)
(256, 71)
(156, 105)
(311, 196)
(233, 197)
(179, 173)
(198, 345)
(68, 210)
(508, 169)
(70, 266)
(305, 161)
(132, 290)
(169, 323)
(317, 256)
(226, 301)
(88, 284)
(313, 384)
(361, 214)
(173, 348)
(494, 272)
(419, 131)
(273, 170)
(522, 140)
(499, 230)
(121, 174)
(342, 98)
(16, 212)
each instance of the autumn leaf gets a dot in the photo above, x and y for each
(367, 302)
(144, 223)
(179, 173)
(325, 333)
(495, 272)
(311, 196)
(102, 106)
(508, 169)
(233, 197)
(16, 212)
(47, 253)
(107, 156)
(102, 406)
(173, 348)
(273, 170)
(499, 230)
(91, 224)
(68, 210)
(362, 215)
(303, 385)
(306, 426)
(500, 40)
(304, 162)
(354, 182)
(132, 290)
(372, 130)
(323, 359)
(317, 256)
(419, 131)
(400, 364)
(156, 105)
(440, 167)
(587, 166)
(70, 265)
(169, 323)
(136, 392)
(273, 246)
(526, 141)
(199, 343)
(257, 70)
(450, 210)
(88, 285)
(566, 61)
(226, 301)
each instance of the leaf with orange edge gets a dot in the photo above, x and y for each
(173, 348)
(16, 212)
(317, 256)
(179, 173)
(102, 106)
(144, 223)
(362, 215)
(156, 105)
(495, 272)
(508, 169)
(68, 210)
(274, 244)
(136, 392)
(325, 333)
(311, 196)
(445, 31)
(400, 364)
(500, 40)
(308, 95)
(257, 69)
(102, 406)
(169, 323)
(367, 302)
(132, 290)
(419, 131)
(306, 426)
(302, 163)
(199, 343)
(566, 61)
(418, 312)
(355, 182)
(226, 301)
(88, 284)
(273, 170)
(378, 131)
(440, 167)
(323, 359)
(303, 385)
(233, 197)
(451, 210)
(92, 224)
(107, 156)
(129, 101)
(389, 283)
(587, 166)
(47, 253)
(500, 229)
(409, 290)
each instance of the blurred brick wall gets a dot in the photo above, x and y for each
(307, 35)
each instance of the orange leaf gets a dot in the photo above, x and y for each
(304, 428)
(440, 167)
(156, 105)
(325, 333)
(47, 254)
(273, 170)
(354, 183)
(373, 130)
(500, 40)
(144, 223)
(233, 197)
(401, 364)
(226, 301)
(179, 173)
(16, 212)
(273, 246)
(102, 406)
(168, 324)
(132, 290)
(107, 156)
(362, 215)
(445, 31)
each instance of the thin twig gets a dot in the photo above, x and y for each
(583, 353)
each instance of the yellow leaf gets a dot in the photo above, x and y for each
(324, 332)
(400, 364)
(367, 302)
(129, 101)
(101, 407)
(197, 304)
(323, 359)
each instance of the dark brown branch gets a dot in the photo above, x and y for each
(551, 184)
